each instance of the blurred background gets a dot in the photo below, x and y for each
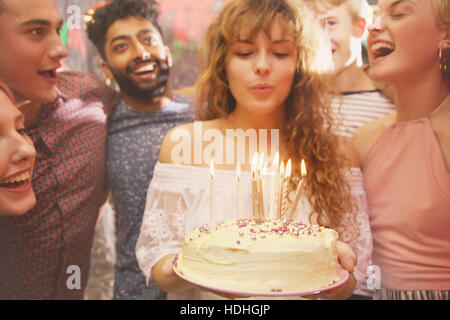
(183, 23)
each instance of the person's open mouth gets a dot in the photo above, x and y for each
(381, 49)
(17, 182)
(146, 70)
(49, 74)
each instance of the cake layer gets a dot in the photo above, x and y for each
(270, 256)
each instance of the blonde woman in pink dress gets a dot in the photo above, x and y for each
(406, 157)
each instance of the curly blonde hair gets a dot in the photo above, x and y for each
(308, 120)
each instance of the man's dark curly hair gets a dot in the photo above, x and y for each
(105, 16)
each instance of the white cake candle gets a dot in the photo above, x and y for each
(261, 212)
(212, 198)
(280, 191)
(239, 191)
(273, 182)
(287, 177)
(255, 196)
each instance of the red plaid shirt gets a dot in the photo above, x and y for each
(36, 249)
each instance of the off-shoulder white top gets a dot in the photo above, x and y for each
(178, 202)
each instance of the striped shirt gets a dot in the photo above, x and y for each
(387, 294)
(355, 109)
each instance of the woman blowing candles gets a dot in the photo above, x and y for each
(262, 71)
(406, 157)
(17, 156)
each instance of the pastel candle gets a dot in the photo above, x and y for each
(273, 182)
(261, 202)
(239, 191)
(287, 176)
(299, 189)
(280, 190)
(212, 198)
(255, 198)
(263, 179)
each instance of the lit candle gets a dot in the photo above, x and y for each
(212, 199)
(263, 178)
(260, 189)
(280, 191)
(255, 197)
(287, 177)
(272, 185)
(239, 191)
(298, 192)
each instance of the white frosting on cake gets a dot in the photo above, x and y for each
(266, 257)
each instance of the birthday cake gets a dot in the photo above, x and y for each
(272, 256)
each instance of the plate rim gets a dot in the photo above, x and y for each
(343, 275)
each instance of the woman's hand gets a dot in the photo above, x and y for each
(346, 257)
(166, 278)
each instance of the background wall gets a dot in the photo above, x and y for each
(183, 23)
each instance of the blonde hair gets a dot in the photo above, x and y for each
(356, 8)
(442, 11)
(308, 120)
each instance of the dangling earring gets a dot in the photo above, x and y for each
(110, 83)
(443, 63)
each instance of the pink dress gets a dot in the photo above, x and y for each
(408, 192)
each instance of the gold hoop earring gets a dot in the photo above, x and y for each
(444, 62)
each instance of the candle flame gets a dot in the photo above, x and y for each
(264, 171)
(282, 169)
(211, 169)
(276, 161)
(303, 168)
(287, 174)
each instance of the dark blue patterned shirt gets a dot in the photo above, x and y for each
(134, 141)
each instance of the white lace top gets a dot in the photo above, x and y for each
(178, 202)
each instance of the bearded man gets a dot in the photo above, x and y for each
(129, 40)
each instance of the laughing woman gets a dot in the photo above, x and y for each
(17, 155)
(406, 157)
